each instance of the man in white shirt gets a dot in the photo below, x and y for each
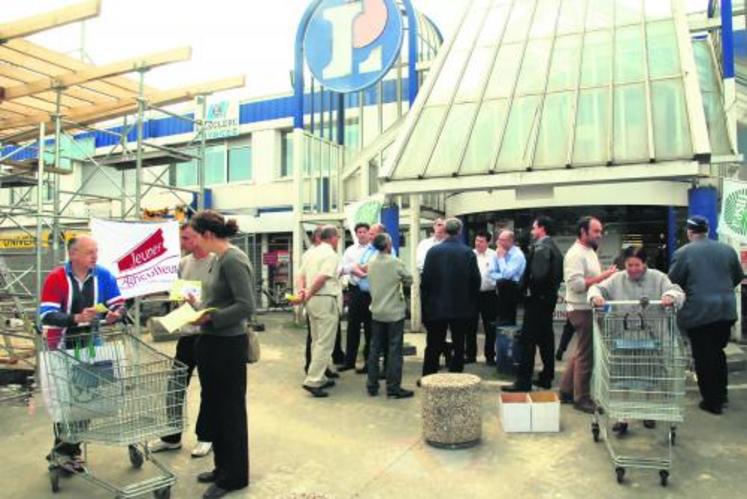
(359, 314)
(439, 234)
(507, 270)
(582, 270)
(487, 304)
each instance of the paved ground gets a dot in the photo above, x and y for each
(351, 445)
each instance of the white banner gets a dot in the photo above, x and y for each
(733, 220)
(144, 257)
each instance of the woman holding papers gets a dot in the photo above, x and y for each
(222, 352)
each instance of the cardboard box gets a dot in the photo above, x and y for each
(516, 412)
(545, 411)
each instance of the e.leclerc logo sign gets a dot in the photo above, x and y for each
(350, 45)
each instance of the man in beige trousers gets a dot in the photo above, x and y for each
(582, 271)
(321, 295)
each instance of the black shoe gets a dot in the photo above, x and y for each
(214, 492)
(331, 374)
(712, 409)
(361, 370)
(649, 423)
(470, 360)
(207, 477)
(559, 355)
(400, 394)
(329, 384)
(372, 391)
(490, 362)
(620, 428)
(586, 407)
(565, 398)
(516, 388)
(417, 383)
(344, 368)
(542, 383)
(316, 391)
(339, 361)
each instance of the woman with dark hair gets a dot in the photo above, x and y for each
(635, 282)
(222, 352)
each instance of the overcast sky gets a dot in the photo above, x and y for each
(228, 37)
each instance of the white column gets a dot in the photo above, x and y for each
(415, 310)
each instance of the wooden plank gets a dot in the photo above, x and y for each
(47, 69)
(70, 64)
(118, 68)
(73, 97)
(95, 114)
(32, 165)
(60, 17)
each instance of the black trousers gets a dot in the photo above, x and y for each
(537, 332)
(508, 302)
(359, 315)
(386, 339)
(436, 343)
(487, 310)
(221, 363)
(708, 343)
(186, 353)
(338, 356)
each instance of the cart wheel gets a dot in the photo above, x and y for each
(664, 476)
(164, 493)
(595, 431)
(620, 472)
(672, 437)
(54, 480)
(136, 457)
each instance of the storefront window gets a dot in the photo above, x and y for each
(286, 158)
(240, 164)
(215, 165)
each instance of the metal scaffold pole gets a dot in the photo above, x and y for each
(56, 179)
(39, 207)
(202, 101)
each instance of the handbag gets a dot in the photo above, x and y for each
(253, 350)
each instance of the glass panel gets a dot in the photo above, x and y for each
(475, 75)
(631, 125)
(592, 123)
(492, 30)
(186, 173)
(629, 62)
(215, 165)
(572, 14)
(712, 100)
(448, 78)
(470, 28)
(628, 12)
(663, 56)
(523, 119)
(485, 140)
(518, 23)
(446, 156)
(659, 9)
(286, 165)
(599, 15)
(420, 145)
(506, 66)
(565, 61)
(552, 145)
(534, 68)
(671, 125)
(545, 19)
(596, 67)
(240, 164)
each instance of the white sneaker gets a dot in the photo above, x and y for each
(161, 446)
(202, 449)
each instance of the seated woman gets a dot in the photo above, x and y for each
(635, 282)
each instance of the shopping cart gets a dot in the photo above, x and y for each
(111, 388)
(639, 374)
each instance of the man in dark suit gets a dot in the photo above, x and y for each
(708, 271)
(450, 286)
(539, 286)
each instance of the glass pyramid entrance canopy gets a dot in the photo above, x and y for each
(555, 84)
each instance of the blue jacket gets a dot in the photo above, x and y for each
(451, 280)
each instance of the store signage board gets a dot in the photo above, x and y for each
(222, 119)
(350, 46)
(733, 222)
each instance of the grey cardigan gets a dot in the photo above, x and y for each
(386, 275)
(229, 289)
(653, 284)
(708, 271)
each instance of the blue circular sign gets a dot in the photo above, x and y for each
(350, 46)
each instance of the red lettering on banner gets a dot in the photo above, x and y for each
(147, 251)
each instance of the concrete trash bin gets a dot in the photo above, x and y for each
(452, 410)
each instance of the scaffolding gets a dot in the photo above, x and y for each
(64, 124)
